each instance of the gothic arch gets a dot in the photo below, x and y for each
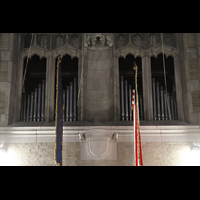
(66, 50)
(168, 51)
(130, 49)
(35, 50)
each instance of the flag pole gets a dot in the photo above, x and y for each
(58, 117)
(137, 139)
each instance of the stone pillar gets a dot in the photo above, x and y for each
(99, 73)
(49, 89)
(179, 94)
(147, 88)
(8, 71)
(116, 90)
(190, 79)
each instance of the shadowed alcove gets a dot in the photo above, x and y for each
(69, 70)
(33, 92)
(164, 105)
(127, 82)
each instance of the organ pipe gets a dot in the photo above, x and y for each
(126, 99)
(158, 100)
(28, 109)
(39, 102)
(74, 99)
(43, 99)
(67, 103)
(130, 103)
(162, 103)
(122, 97)
(154, 100)
(70, 101)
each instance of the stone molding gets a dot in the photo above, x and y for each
(136, 51)
(40, 134)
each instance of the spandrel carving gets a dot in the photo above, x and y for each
(138, 40)
(154, 39)
(169, 39)
(121, 40)
(75, 40)
(98, 40)
(43, 40)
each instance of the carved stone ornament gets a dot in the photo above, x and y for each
(137, 39)
(98, 40)
(99, 144)
(74, 40)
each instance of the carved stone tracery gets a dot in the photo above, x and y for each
(97, 40)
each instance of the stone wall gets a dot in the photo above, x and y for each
(190, 69)
(8, 71)
(154, 154)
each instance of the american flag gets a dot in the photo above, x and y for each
(138, 159)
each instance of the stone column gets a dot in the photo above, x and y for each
(179, 94)
(190, 81)
(99, 85)
(49, 89)
(8, 71)
(147, 88)
(116, 90)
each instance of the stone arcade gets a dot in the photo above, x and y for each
(97, 80)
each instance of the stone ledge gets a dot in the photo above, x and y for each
(125, 133)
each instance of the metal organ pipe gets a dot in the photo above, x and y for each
(24, 118)
(67, 103)
(31, 109)
(28, 109)
(168, 99)
(70, 101)
(35, 105)
(75, 99)
(175, 110)
(162, 103)
(130, 103)
(154, 100)
(43, 98)
(158, 100)
(39, 102)
(122, 97)
(172, 107)
(141, 108)
(126, 99)
(126, 95)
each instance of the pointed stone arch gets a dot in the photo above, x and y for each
(130, 49)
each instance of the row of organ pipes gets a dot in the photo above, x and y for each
(32, 107)
(126, 101)
(164, 105)
(70, 101)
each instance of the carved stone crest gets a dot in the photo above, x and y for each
(99, 144)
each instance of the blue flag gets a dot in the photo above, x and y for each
(58, 117)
